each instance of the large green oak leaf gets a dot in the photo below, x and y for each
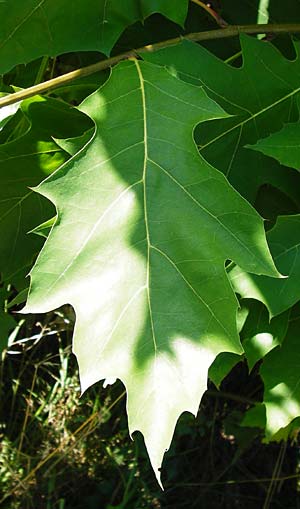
(33, 28)
(144, 229)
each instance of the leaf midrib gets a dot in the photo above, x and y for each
(149, 244)
(145, 127)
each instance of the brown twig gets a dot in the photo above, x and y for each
(220, 21)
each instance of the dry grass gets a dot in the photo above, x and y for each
(61, 451)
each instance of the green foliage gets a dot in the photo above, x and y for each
(259, 99)
(283, 145)
(24, 162)
(56, 26)
(280, 294)
(281, 395)
(260, 334)
(134, 261)
(151, 194)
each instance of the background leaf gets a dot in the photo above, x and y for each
(280, 294)
(260, 334)
(260, 96)
(38, 27)
(281, 376)
(7, 112)
(221, 366)
(282, 145)
(25, 162)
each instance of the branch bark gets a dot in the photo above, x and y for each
(222, 33)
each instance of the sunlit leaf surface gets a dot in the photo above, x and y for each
(144, 228)
(280, 372)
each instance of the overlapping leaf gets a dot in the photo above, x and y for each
(260, 334)
(261, 96)
(278, 295)
(33, 28)
(283, 145)
(278, 414)
(144, 228)
(280, 372)
(6, 113)
(25, 162)
(221, 366)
